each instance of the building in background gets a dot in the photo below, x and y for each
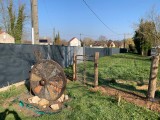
(6, 38)
(45, 41)
(111, 44)
(74, 42)
(99, 44)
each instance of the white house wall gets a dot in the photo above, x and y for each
(6, 38)
(75, 42)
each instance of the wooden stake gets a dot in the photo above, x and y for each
(153, 77)
(84, 75)
(96, 69)
(74, 67)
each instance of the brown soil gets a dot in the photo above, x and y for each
(24, 110)
(130, 97)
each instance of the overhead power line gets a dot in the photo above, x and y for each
(99, 18)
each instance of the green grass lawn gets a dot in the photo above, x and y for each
(87, 105)
(127, 67)
(120, 66)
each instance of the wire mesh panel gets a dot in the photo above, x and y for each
(128, 67)
(85, 69)
(80, 68)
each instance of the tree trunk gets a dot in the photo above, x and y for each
(153, 77)
(142, 52)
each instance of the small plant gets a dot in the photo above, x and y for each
(140, 82)
(118, 98)
(113, 81)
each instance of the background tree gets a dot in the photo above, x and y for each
(20, 24)
(57, 40)
(144, 36)
(154, 17)
(129, 42)
(118, 43)
(64, 42)
(88, 41)
(102, 38)
(12, 20)
(148, 34)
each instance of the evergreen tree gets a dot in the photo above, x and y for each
(57, 40)
(144, 37)
(19, 24)
(12, 19)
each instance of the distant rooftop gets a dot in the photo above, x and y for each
(43, 41)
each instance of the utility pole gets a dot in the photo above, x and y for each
(34, 15)
(80, 36)
(124, 40)
(54, 35)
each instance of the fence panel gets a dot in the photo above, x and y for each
(16, 59)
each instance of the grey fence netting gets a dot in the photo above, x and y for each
(16, 59)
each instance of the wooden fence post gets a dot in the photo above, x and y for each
(153, 77)
(96, 69)
(74, 67)
(84, 72)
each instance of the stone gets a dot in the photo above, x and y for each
(34, 99)
(66, 97)
(55, 107)
(61, 99)
(43, 102)
(44, 106)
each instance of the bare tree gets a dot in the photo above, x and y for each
(154, 17)
(4, 17)
(88, 41)
(102, 38)
(12, 20)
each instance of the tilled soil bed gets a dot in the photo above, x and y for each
(130, 97)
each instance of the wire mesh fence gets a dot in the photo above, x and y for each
(85, 69)
(127, 67)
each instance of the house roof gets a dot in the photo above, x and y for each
(109, 43)
(72, 39)
(2, 32)
(43, 41)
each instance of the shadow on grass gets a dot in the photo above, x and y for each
(7, 112)
(28, 86)
(124, 88)
(127, 88)
(135, 57)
